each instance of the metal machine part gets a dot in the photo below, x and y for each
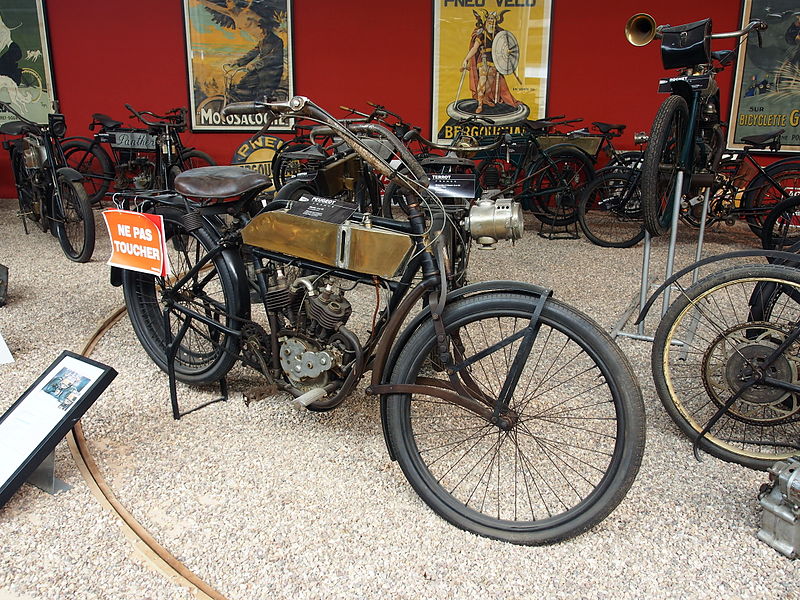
(34, 153)
(780, 499)
(492, 219)
(304, 365)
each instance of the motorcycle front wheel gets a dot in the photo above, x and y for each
(576, 437)
(75, 225)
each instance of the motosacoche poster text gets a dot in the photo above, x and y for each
(238, 51)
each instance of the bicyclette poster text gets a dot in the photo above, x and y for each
(237, 51)
(489, 61)
(26, 80)
(766, 93)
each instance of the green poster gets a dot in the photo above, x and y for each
(25, 72)
(767, 89)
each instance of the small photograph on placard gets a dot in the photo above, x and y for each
(66, 387)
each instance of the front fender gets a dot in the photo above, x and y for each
(784, 257)
(70, 174)
(475, 289)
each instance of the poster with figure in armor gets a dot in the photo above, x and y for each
(26, 80)
(489, 62)
(767, 87)
(237, 51)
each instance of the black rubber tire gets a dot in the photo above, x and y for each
(781, 228)
(660, 164)
(570, 172)
(284, 169)
(610, 210)
(392, 200)
(205, 355)
(94, 163)
(75, 227)
(570, 353)
(192, 159)
(631, 159)
(294, 189)
(760, 196)
(704, 348)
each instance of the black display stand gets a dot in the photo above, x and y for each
(43, 415)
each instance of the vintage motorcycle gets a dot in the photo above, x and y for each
(50, 193)
(512, 415)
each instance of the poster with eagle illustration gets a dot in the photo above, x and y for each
(237, 51)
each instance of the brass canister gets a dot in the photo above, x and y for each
(351, 246)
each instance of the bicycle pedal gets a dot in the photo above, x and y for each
(309, 397)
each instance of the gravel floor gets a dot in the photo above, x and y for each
(265, 501)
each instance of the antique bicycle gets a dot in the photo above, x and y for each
(137, 158)
(512, 415)
(51, 194)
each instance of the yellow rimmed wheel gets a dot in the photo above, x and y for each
(726, 363)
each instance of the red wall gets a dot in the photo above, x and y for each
(348, 52)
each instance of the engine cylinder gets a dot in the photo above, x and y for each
(491, 220)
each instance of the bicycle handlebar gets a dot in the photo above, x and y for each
(174, 116)
(756, 24)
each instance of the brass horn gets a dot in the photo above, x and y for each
(641, 29)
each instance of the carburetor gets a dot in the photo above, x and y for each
(780, 499)
(494, 218)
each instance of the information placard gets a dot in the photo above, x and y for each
(35, 423)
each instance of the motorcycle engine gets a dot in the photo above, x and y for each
(316, 349)
(34, 154)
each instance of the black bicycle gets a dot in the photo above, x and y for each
(51, 194)
(137, 158)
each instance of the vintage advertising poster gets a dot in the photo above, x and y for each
(237, 51)
(489, 60)
(26, 80)
(767, 87)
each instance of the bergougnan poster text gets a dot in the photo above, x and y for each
(489, 60)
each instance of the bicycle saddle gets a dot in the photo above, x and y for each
(764, 140)
(219, 182)
(106, 121)
(15, 128)
(608, 127)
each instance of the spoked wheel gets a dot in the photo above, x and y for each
(610, 210)
(554, 193)
(762, 196)
(91, 161)
(75, 226)
(205, 354)
(283, 169)
(192, 159)
(565, 451)
(725, 358)
(781, 228)
(661, 162)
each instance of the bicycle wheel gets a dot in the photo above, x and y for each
(761, 196)
(631, 159)
(295, 189)
(610, 210)
(554, 193)
(205, 354)
(660, 164)
(191, 159)
(577, 423)
(90, 160)
(283, 169)
(781, 228)
(715, 341)
(75, 226)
